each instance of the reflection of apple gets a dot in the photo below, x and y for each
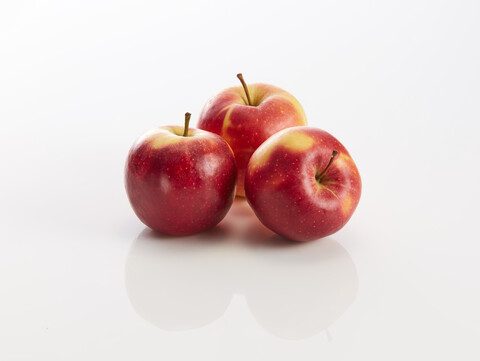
(303, 184)
(174, 282)
(294, 290)
(300, 290)
(246, 117)
(180, 181)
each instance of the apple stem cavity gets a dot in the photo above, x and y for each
(187, 121)
(318, 177)
(240, 77)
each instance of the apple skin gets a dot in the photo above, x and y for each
(245, 126)
(282, 189)
(180, 185)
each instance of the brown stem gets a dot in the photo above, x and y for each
(240, 77)
(319, 176)
(187, 120)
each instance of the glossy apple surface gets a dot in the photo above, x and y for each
(245, 126)
(291, 193)
(177, 184)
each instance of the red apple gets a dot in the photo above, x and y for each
(180, 181)
(246, 117)
(302, 184)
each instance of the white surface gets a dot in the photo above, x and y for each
(397, 82)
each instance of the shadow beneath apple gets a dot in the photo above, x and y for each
(294, 290)
(242, 225)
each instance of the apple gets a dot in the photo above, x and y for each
(247, 116)
(302, 184)
(180, 181)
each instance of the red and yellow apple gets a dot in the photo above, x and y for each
(247, 116)
(180, 181)
(303, 184)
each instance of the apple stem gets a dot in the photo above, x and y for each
(318, 177)
(240, 77)
(187, 121)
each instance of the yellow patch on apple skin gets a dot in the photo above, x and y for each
(296, 104)
(296, 141)
(163, 141)
(292, 141)
(227, 122)
(343, 161)
(347, 204)
(345, 158)
(162, 137)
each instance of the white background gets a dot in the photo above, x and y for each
(397, 82)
